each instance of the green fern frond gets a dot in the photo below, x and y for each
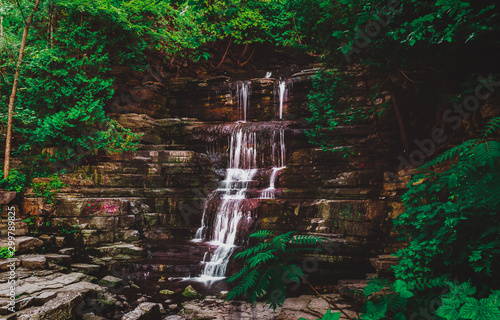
(238, 274)
(262, 258)
(253, 250)
(282, 240)
(306, 240)
(294, 274)
(249, 280)
(491, 127)
(262, 234)
(449, 154)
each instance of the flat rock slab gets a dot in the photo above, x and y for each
(85, 268)
(120, 248)
(60, 259)
(33, 261)
(307, 306)
(37, 284)
(5, 264)
(60, 308)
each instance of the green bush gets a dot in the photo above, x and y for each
(451, 220)
(16, 181)
(46, 190)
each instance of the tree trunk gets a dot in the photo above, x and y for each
(14, 91)
(402, 130)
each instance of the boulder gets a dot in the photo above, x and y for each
(222, 295)
(27, 244)
(167, 292)
(191, 293)
(144, 311)
(7, 196)
(33, 261)
(110, 281)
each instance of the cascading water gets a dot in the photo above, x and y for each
(243, 94)
(278, 155)
(252, 148)
(281, 89)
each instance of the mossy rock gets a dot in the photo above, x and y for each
(167, 292)
(191, 293)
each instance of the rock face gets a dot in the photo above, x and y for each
(158, 192)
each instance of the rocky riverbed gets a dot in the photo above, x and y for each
(60, 293)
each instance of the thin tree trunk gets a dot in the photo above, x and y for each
(14, 91)
(402, 130)
(2, 41)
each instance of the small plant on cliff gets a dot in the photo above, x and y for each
(6, 252)
(16, 181)
(46, 189)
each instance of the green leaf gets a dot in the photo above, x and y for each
(447, 312)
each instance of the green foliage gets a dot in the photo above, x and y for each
(451, 220)
(404, 44)
(46, 189)
(328, 316)
(16, 181)
(410, 300)
(268, 266)
(6, 252)
(334, 102)
(254, 21)
(64, 231)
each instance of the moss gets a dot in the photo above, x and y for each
(191, 293)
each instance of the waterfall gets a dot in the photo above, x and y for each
(251, 149)
(241, 171)
(282, 91)
(243, 94)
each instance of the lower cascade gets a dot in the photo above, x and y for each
(253, 150)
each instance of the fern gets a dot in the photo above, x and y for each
(492, 127)
(262, 234)
(306, 240)
(266, 272)
(449, 154)
(261, 258)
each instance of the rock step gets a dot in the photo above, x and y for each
(132, 194)
(20, 227)
(383, 264)
(353, 289)
(42, 261)
(172, 156)
(24, 244)
(90, 269)
(160, 147)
